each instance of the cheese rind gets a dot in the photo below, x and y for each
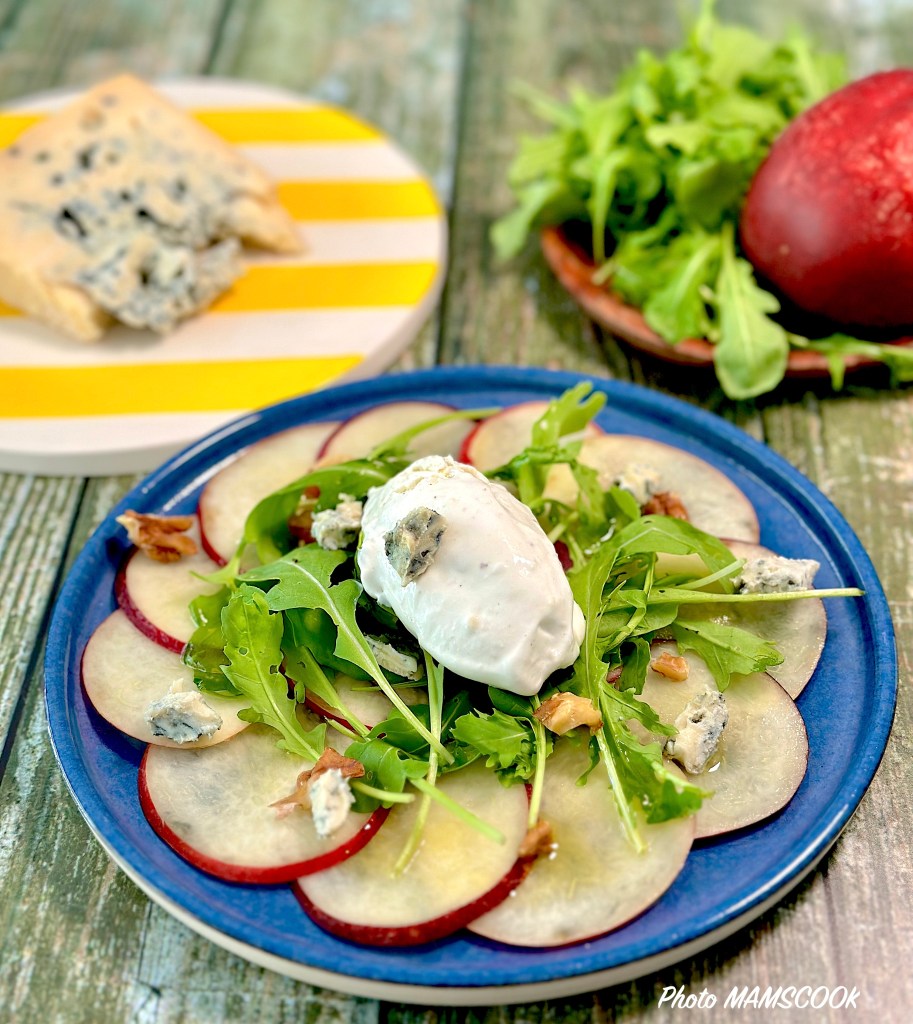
(122, 206)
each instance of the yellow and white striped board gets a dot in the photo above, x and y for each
(375, 249)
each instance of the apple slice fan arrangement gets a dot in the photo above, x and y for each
(439, 682)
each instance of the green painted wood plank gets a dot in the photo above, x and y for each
(35, 517)
(48, 44)
(515, 313)
(858, 448)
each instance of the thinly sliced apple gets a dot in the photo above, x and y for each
(711, 499)
(155, 595)
(123, 672)
(368, 703)
(455, 875)
(498, 439)
(797, 628)
(594, 881)
(213, 808)
(259, 470)
(763, 752)
(364, 431)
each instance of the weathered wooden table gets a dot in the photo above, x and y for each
(78, 942)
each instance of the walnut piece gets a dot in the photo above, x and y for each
(672, 666)
(162, 538)
(665, 503)
(538, 841)
(300, 797)
(565, 711)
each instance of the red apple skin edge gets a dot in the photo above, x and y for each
(252, 875)
(827, 220)
(426, 931)
(208, 549)
(467, 444)
(323, 711)
(136, 617)
(352, 420)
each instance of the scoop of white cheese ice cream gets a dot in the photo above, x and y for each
(493, 604)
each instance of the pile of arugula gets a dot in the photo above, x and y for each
(660, 169)
(280, 631)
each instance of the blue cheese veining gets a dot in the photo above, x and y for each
(770, 574)
(183, 716)
(123, 207)
(492, 604)
(700, 726)
(331, 797)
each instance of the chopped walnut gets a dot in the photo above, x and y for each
(672, 666)
(300, 797)
(665, 503)
(538, 841)
(162, 538)
(565, 711)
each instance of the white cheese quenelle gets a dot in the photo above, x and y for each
(483, 592)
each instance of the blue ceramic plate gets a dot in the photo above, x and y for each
(725, 883)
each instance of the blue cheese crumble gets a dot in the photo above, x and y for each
(394, 661)
(331, 799)
(182, 717)
(771, 574)
(640, 480)
(338, 528)
(700, 726)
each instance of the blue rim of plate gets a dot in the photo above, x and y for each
(725, 882)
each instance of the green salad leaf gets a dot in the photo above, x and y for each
(656, 173)
(253, 638)
(302, 580)
(726, 650)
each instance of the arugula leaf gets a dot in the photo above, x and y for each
(637, 774)
(505, 742)
(678, 309)
(659, 169)
(435, 675)
(653, 533)
(309, 678)
(570, 413)
(838, 347)
(401, 733)
(302, 580)
(266, 527)
(634, 666)
(398, 445)
(727, 650)
(387, 766)
(253, 635)
(204, 653)
(750, 357)
(313, 628)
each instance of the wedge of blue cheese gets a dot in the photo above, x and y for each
(123, 207)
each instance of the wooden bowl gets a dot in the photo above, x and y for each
(574, 268)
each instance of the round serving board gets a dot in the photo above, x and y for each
(373, 259)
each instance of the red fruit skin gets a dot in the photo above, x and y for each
(147, 628)
(252, 874)
(829, 216)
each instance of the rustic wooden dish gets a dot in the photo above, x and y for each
(574, 268)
